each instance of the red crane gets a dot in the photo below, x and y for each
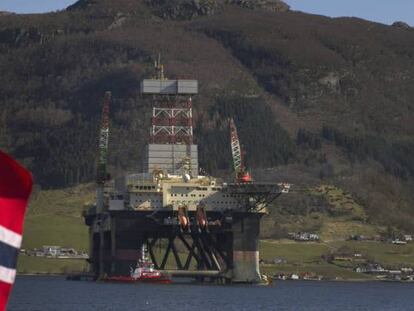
(242, 176)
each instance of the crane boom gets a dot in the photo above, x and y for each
(242, 176)
(102, 177)
(235, 147)
(103, 141)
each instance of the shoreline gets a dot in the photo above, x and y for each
(65, 275)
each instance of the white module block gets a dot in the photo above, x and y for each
(153, 86)
(187, 86)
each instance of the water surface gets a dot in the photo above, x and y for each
(53, 294)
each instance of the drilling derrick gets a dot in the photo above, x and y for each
(242, 176)
(171, 147)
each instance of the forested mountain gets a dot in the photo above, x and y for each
(331, 99)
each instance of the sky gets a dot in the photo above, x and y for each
(383, 11)
(34, 6)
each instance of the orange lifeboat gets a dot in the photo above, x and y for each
(201, 217)
(182, 217)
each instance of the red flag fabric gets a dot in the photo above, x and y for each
(15, 188)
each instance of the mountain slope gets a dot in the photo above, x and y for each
(319, 99)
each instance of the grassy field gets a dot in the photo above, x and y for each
(307, 257)
(301, 258)
(341, 203)
(29, 264)
(64, 231)
(385, 253)
(341, 229)
(54, 218)
(295, 253)
(328, 271)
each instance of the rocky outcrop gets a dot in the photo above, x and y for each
(270, 5)
(81, 4)
(183, 9)
(4, 13)
(400, 24)
(188, 9)
(119, 20)
(20, 36)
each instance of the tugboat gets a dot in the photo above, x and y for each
(143, 272)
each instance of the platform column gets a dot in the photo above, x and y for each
(246, 248)
(113, 243)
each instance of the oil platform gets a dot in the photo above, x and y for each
(193, 226)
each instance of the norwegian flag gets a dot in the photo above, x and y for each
(15, 188)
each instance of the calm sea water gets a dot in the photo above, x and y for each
(52, 293)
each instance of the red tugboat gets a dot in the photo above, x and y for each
(143, 272)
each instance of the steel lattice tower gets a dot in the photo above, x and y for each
(172, 121)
